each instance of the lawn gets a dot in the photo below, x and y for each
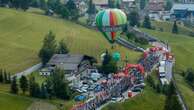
(13, 102)
(182, 47)
(21, 35)
(148, 100)
(167, 27)
(186, 91)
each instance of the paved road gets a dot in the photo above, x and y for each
(169, 74)
(128, 45)
(169, 68)
(28, 71)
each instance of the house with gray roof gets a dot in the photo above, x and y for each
(70, 63)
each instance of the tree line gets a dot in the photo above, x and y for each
(68, 10)
(54, 86)
(189, 77)
(22, 4)
(172, 101)
(134, 20)
(5, 77)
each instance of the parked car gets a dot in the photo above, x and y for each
(142, 85)
(78, 90)
(136, 89)
(116, 99)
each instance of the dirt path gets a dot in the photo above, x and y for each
(40, 105)
(28, 70)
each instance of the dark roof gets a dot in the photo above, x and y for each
(66, 58)
(189, 7)
(68, 67)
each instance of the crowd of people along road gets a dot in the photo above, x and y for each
(115, 86)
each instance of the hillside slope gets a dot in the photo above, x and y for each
(21, 35)
(10, 102)
(167, 27)
(182, 47)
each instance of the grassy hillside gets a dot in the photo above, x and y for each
(167, 27)
(21, 36)
(12, 102)
(182, 47)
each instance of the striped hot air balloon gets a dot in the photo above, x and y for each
(111, 23)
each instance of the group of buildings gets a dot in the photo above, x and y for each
(156, 9)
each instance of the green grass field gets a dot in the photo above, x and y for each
(148, 100)
(182, 47)
(13, 102)
(21, 35)
(167, 27)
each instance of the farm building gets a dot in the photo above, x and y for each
(101, 3)
(183, 12)
(155, 8)
(70, 63)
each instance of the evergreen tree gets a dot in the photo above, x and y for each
(43, 4)
(64, 12)
(71, 6)
(4, 2)
(172, 103)
(48, 48)
(171, 89)
(108, 64)
(31, 85)
(60, 86)
(24, 4)
(53, 5)
(175, 28)
(151, 81)
(111, 4)
(34, 87)
(168, 5)
(14, 86)
(16, 3)
(189, 77)
(1, 76)
(91, 8)
(57, 85)
(43, 91)
(5, 76)
(24, 84)
(147, 23)
(62, 49)
(106, 59)
(49, 87)
(142, 4)
(158, 88)
(134, 18)
(9, 78)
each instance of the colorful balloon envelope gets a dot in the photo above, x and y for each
(111, 23)
(116, 56)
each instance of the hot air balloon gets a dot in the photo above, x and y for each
(111, 23)
(116, 56)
